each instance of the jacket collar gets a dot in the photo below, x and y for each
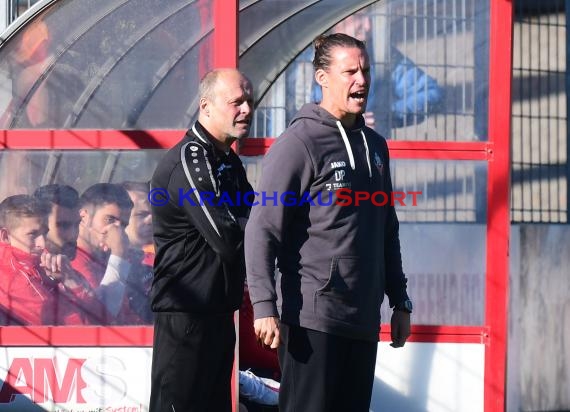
(198, 133)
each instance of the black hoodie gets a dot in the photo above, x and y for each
(336, 262)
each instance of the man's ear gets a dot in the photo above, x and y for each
(4, 235)
(203, 104)
(321, 77)
(84, 214)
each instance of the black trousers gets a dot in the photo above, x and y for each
(192, 363)
(323, 372)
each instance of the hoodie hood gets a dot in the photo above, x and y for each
(312, 111)
(315, 112)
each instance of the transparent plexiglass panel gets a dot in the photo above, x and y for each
(429, 66)
(445, 191)
(443, 239)
(22, 173)
(107, 65)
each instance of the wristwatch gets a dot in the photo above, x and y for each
(405, 306)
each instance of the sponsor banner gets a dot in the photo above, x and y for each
(105, 379)
(71, 379)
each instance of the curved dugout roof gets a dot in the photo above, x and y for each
(136, 64)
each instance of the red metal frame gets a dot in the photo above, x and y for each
(205, 58)
(76, 336)
(402, 149)
(89, 139)
(141, 336)
(162, 139)
(226, 33)
(496, 152)
(498, 210)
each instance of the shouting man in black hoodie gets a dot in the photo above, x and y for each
(336, 258)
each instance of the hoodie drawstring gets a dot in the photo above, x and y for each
(367, 153)
(349, 148)
(346, 144)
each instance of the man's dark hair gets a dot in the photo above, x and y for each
(16, 207)
(105, 193)
(324, 44)
(62, 195)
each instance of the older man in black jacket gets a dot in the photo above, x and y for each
(199, 212)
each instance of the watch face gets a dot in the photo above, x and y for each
(406, 306)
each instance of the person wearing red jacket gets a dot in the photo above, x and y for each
(63, 230)
(37, 287)
(103, 253)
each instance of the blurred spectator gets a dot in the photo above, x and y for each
(41, 87)
(63, 219)
(30, 60)
(414, 93)
(103, 246)
(37, 287)
(63, 231)
(139, 229)
(39, 93)
(139, 232)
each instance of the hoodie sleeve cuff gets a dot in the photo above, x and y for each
(398, 298)
(265, 309)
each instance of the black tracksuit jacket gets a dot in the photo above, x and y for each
(199, 266)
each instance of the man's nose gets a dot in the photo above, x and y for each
(246, 107)
(40, 242)
(361, 78)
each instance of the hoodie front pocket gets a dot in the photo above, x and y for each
(346, 295)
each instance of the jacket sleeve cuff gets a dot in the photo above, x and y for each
(265, 309)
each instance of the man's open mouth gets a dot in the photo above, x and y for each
(360, 96)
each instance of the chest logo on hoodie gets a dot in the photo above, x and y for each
(339, 175)
(379, 164)
(336, 165)
(340, 180)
